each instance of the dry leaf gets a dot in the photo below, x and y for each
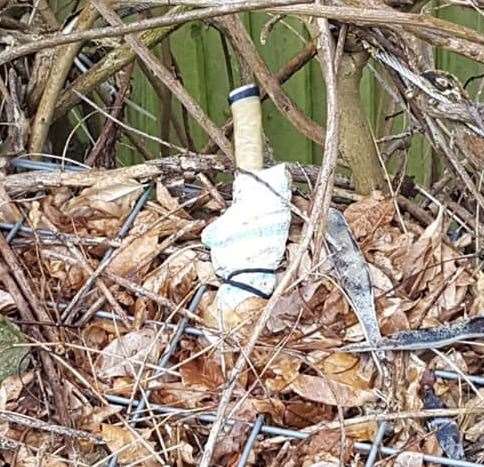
(25, 458)
(272, 408)
(107, 198)
(175, 278)
(284, 369)
(348, 369)
(336, 311)
(134, 252)
(11, 387)
(325, 449)
(233, 440)
(186, 452)
(71, 276)
(289, 306)
(475, 432)
(93, 417)
(318, 389)
(300, 414)
(305, 265)
(168, 202)
(362, 431)
(246, 313)
(478, 305)
(178, 395)
(129, 447)
(366, 215)
(35, 215)
(125, 355)
(97, 334)
(420, 255)
(206, 273)
(9, 211)
(203, 374)
(408, 387)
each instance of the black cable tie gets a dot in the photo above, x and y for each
(248, 288)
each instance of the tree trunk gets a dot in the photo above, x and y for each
(356, 143)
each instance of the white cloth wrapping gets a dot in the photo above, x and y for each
(252, 233)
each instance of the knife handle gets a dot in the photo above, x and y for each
(247, 116)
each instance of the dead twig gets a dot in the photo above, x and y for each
(100, 283)
(436, 31)
(55, 40)
(61, 65)
(47, 363)
(102, 154)
(37, 424)
(143, 292)
(109, 65)
(403, 415)
(170, 82)
(17, 271)
(242, 43)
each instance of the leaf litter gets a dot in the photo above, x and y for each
(308, 369)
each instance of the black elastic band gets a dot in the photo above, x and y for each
(246, 287)
(243, 92)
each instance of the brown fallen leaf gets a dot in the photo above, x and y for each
(476, 401)
(362, 431)
(185, 450)
(475, 432)
(9, 211)
(133, 252)
(478, 304)
(416, 270)
(324, 449)
(12, 387)
(129, 446)
(318, 389)
(284, 369)
(371, 212)
(289, 306)
(300, 414)
(203, 373)
(92, 418)
(71, 276)
(336, 312)
(431, 446)
(178, 395)
(388, 250)
(168, 202)
(230, 445)
(348, 369)
(125, 355)
(176, 277)
(241, 318)
(107, 198)
(49, 214)
(36, 216)
(98, 333)
(25, 458)
(145, 239)
(410, 370)
(272, 408)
